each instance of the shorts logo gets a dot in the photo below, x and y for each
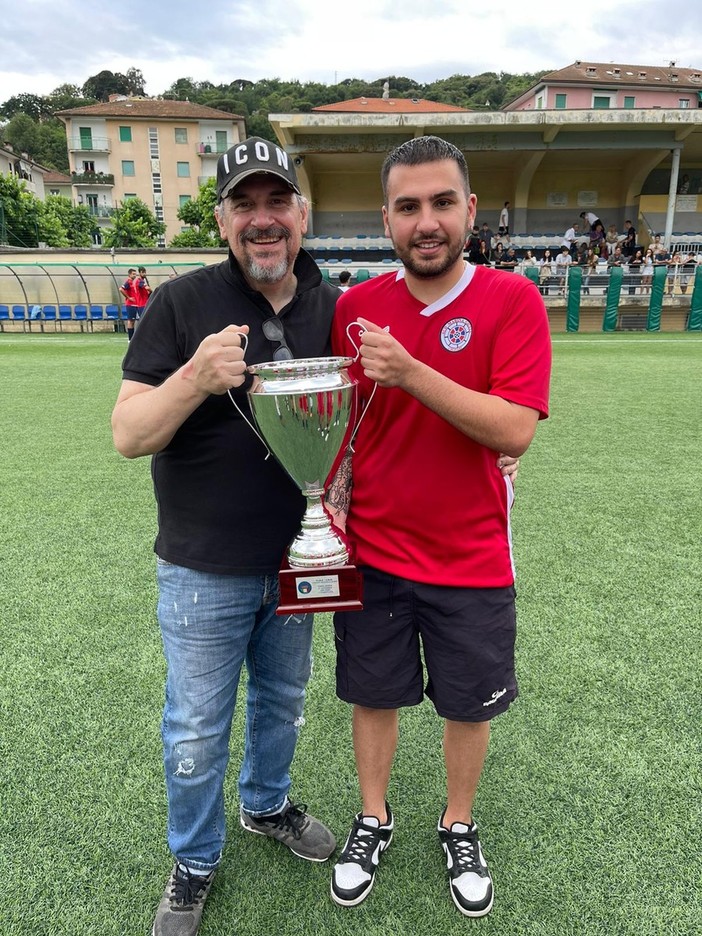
(495, 696)
(455, 334)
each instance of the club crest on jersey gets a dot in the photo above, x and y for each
(455, 334)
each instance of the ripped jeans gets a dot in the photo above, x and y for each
(212, 624)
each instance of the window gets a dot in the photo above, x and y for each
(88, 165)
(54, 191)
(183, 170)
(684, 102)
(128, 195)
(561, 101)
(539, 102)
(184, 199)
(600, 102)
(128, 167)
(181, 134)
(629, 102)
(125, 134)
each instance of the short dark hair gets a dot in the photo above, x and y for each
(420, 150)
(344, 277)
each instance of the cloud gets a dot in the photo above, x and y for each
(44, 43)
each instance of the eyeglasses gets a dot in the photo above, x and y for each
(274, 331)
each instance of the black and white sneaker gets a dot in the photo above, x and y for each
(469, 879)
(180, 910)
(354, 873)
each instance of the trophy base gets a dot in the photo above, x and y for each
(334, 588)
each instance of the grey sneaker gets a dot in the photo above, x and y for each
(354, 873)
(304, 835)
(469, 879)
(180, 910)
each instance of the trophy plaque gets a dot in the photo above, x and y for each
(302, 408)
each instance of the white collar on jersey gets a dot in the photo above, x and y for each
(448, 297)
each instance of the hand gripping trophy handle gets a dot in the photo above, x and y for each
(302, 409)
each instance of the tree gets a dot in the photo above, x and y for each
(133, 225)
(20, 211)
(199, 214)
(32, 105)
(105, 83)
(62, 224)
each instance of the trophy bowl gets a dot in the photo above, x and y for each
(302, 409)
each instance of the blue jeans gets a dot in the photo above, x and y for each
(210, 625)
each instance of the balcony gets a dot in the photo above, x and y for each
(100, 211)
(92, 178)
(210, 148)
(94, 145)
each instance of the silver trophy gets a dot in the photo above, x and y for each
(303, 408)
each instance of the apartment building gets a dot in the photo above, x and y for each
(605, 86)
(23, 168)
(157, 150)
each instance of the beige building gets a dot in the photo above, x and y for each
(156, 150)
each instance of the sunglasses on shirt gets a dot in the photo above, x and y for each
(274, 331)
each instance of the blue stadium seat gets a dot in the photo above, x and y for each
(4, 316)
(50, 315)
(19, 314)
(80, 314)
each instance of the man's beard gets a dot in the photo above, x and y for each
(427, 269)
(263, 272)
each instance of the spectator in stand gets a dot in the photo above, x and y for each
(635, 265)
(483, 255)
(472, 244)
(545, 272)
(590, 219)
(498, 253)
(570, 238)
(529, 260)
(503, 223)
(487, 235)
(597, 240)
(128, 290)
(658, 246)
(612, 239)
(660, 253)
(581, 253)
(616, 257)
(684, 186)
(647, 272)
(687, 272)
(590, 264)
(563, 261)
(344, 280)
(509, 261)
(674, 264)
(629, 242)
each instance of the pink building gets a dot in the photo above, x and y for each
(607, 86)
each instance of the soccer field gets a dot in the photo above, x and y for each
(590, 805)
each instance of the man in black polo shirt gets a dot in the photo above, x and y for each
(226, 514)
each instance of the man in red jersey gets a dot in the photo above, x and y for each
(459, 358)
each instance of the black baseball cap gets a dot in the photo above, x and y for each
(250, 157)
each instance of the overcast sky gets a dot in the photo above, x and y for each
(45, 43)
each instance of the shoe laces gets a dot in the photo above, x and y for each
(362, 843)
(293, 818)
(465, 852)
(187, 889)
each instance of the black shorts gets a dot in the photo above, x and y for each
(467, 640)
